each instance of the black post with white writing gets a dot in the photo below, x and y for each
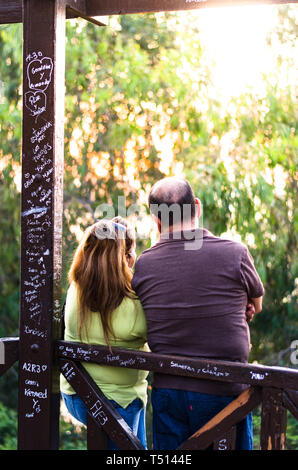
(41, 221)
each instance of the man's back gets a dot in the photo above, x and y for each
(195, 303)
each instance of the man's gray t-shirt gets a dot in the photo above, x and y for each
(195, 303)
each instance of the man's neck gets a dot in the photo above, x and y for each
(179, 228)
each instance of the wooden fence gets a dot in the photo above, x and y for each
(275, 388)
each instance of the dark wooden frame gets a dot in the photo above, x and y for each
(41, 259)
(273, 387)
(11, 10)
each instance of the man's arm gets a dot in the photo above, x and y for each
(257, 304)
(252, 284)
(254, 306)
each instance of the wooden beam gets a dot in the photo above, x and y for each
(77, 8)
(9, 353)
(227, 441)
(224, 420)
(223, 371)
(122, 7)
(11, 10)
(41, 221)
(99, 407)
(273, 421)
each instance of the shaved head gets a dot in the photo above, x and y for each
(175, 195)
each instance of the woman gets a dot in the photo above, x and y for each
(101, 308)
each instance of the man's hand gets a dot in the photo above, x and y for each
(250, 312)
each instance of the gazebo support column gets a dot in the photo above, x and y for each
(41, 221)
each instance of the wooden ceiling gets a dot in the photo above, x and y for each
(11, 10)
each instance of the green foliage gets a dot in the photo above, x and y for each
(8, 428)
(71, 437)
(10, 138)
(292, 433)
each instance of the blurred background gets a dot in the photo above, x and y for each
(209, 95)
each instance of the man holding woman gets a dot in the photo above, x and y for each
(197, 300)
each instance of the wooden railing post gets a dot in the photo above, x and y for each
(41, 221)
(274, 420)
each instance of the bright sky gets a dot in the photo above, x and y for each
(235, 39)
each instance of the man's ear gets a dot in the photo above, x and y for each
(198, 207)
(157, 221)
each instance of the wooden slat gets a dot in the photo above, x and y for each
(274, 420)
(98, 406)
(122, 7)
(41, 221)
(290, 401)
(224, 420)
(251, 374)
(9, 353)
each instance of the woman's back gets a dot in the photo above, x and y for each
(102, 309)
(129, 331)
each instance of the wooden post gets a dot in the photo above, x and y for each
(41, 223)
(274, 420)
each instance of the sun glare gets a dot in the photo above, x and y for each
(234, 39)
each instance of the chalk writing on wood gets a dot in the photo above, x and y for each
(97, 412)
(37, 206)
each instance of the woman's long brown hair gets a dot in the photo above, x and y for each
(101, 273)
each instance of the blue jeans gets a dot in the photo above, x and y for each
(133, 415)
(177, 414)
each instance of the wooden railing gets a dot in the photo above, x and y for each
(275, 388)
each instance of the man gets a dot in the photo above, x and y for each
(195, 294)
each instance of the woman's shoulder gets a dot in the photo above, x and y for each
(132, 304)
(130, 310)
